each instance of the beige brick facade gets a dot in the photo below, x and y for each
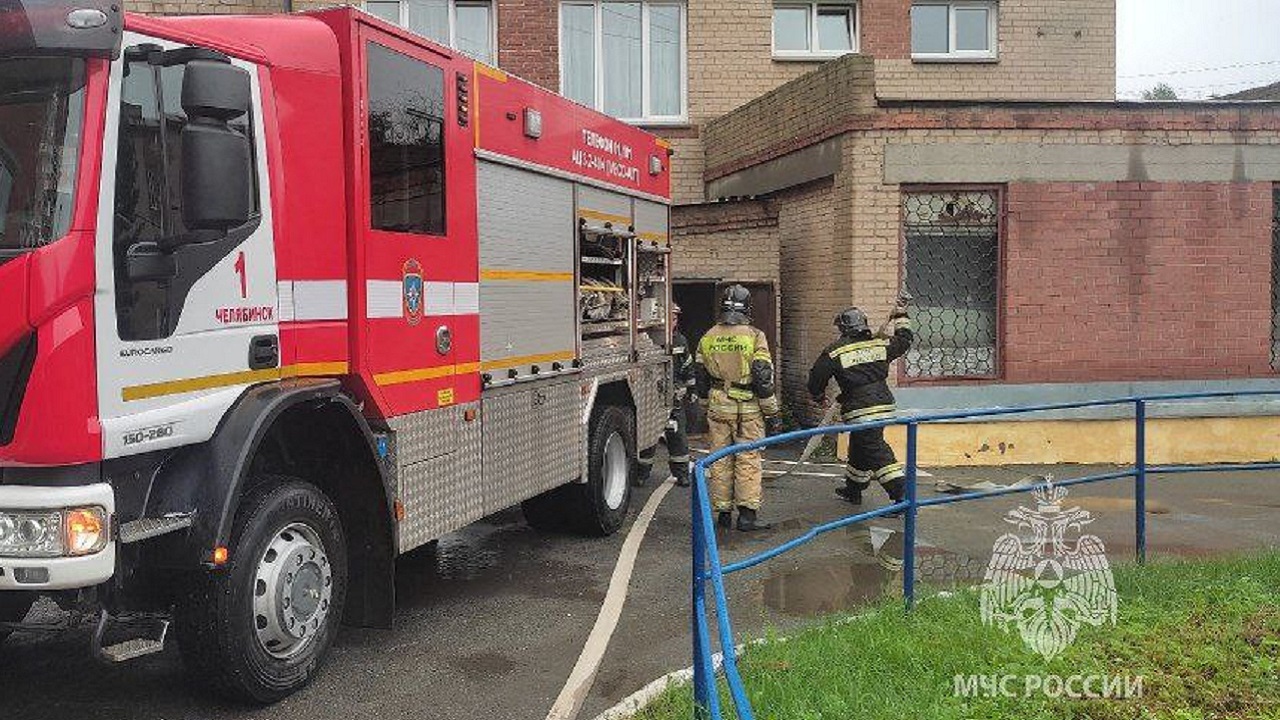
(1170, 185)
(1048, 50)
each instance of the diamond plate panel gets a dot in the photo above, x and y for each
(651, 388)
(425, 435)
(606, 352)
(441, 493)
(532, 441)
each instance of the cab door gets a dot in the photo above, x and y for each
(185, 317)
(416, 249)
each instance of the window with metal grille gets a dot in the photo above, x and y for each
(1275, 278)
(952, 264)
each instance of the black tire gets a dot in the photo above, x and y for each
(548, 511)
(583, 508)
(14, 606)
(217, 625)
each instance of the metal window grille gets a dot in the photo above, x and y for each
(951, 262)
(1275, 278)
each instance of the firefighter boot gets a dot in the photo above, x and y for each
(725, 519)
(852, 491)
(748, 522)
(897, 490)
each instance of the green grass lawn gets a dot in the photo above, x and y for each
(1204, 636)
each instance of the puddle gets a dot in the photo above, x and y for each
(825, 585)
(483, 665)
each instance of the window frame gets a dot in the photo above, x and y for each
(403, 22)
(398, 48)
(646, 94)
(854, 9)
(997, 359)
(992, 54)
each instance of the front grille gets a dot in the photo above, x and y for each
(15, 369)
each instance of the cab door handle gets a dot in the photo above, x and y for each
(264, 352)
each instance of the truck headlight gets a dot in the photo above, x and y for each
(32, 533)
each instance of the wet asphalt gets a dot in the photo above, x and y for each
(491, 623)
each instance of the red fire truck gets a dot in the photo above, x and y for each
(287, 296)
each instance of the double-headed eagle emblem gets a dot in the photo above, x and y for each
(1049, 578)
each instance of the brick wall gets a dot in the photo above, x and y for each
(1048, 50)
(795, 113)
(730, 62)
(1102, 281)
(813, 284)
(1137, 281)
(529, 40)
(734, 240)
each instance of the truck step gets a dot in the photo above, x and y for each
(132, 649)
(148, 637)
(147, 528)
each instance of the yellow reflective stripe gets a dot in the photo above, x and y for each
(885, 472)
(221, 380)
(604, 216)
(862, 345)
(526, 275)
(399, 377)
(491, 72)
(509, 362)
(866, 412)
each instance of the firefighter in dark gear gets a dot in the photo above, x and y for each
(859, 363)
(676, 436)
(734, 372)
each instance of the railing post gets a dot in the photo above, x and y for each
(703, 681)
(1140, 479)
(909, 523)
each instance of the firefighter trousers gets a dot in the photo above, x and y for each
(871, 458)
(676, 439)
(735, 480)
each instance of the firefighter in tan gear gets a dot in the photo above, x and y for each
(734, 372)
(859, 363)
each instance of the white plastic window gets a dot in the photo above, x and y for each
(954, 30)
(807, 30)
(465, 25)
(625, 58)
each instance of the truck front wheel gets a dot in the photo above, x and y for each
(258, 628)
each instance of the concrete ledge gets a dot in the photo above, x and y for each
(1177, 441)
(957, 398)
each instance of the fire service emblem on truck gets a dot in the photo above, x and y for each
(412, 291)
(1044, 582)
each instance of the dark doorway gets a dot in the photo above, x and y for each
(699, 302)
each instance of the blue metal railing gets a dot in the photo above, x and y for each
(708, 567)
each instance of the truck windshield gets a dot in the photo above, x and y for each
(41, 116)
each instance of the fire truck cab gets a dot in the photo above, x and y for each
(284, 297)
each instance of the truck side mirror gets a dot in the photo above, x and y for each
(217, 162)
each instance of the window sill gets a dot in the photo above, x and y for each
(955, 59)
(665, 123)
(810, 57)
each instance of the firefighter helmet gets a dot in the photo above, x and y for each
(675, 309)
(736, 299)
(852, 322)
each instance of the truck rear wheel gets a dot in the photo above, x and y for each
(598, 506)
(258, 629)
(14, 607)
